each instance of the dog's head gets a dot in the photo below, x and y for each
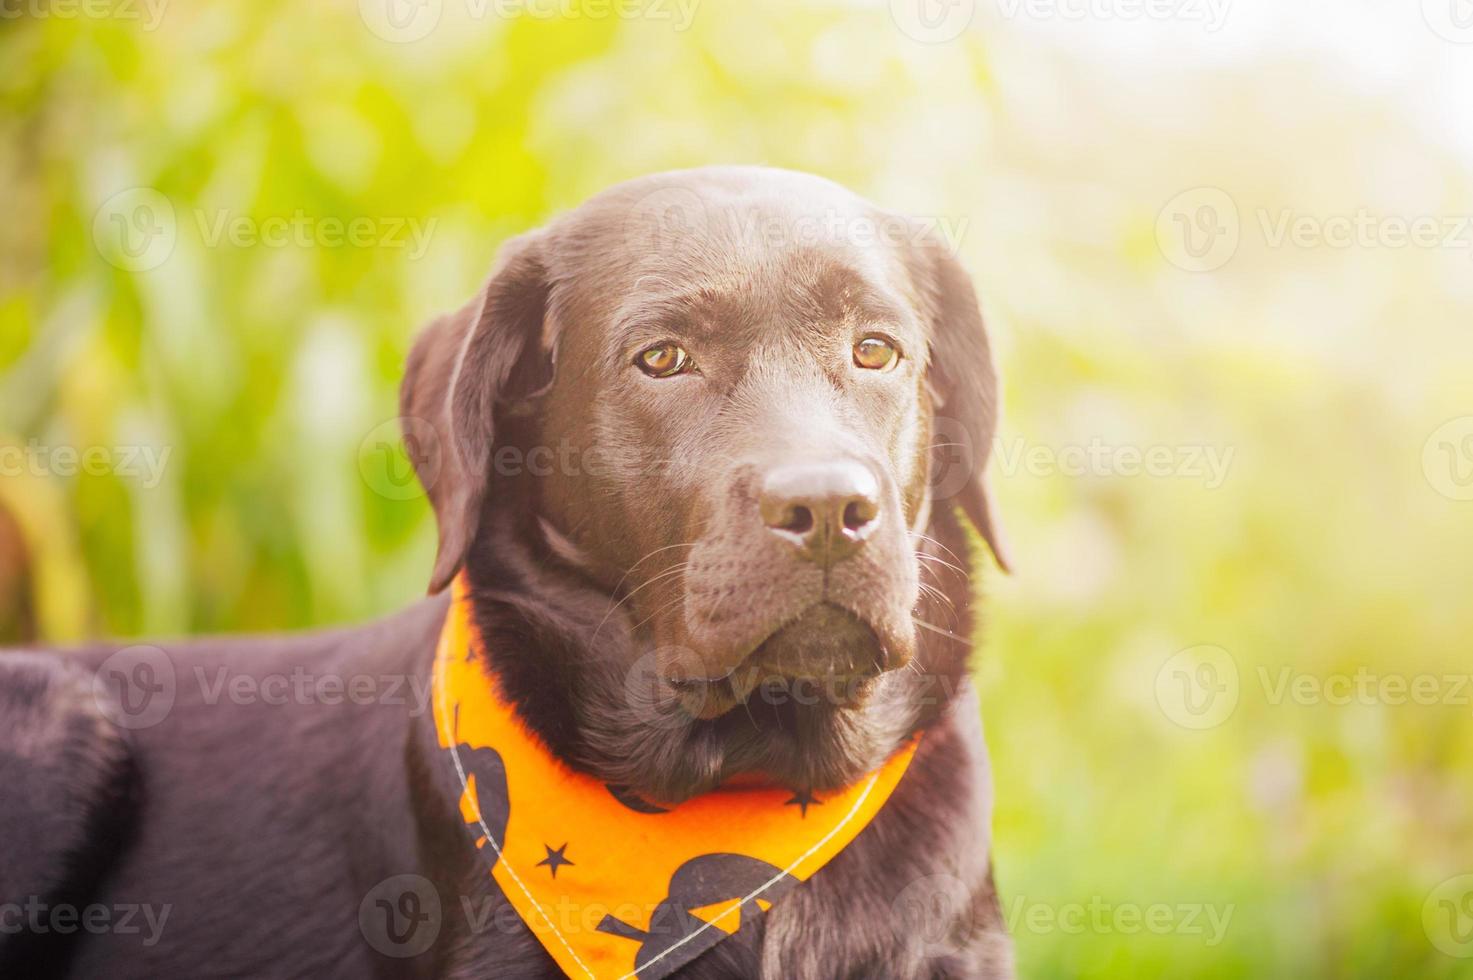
(700, 417)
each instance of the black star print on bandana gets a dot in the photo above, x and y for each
(804, 798)
(555, 859)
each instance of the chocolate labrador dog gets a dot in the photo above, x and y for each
(720, 426)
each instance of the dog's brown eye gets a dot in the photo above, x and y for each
(876, 354)
(664, 361)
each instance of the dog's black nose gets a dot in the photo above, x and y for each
(825, 509)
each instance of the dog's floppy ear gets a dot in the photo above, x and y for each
(462, 365)
(962, 378)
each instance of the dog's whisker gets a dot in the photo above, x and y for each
(935, 581)
(673, 602)
(630, 570)
(930, 591)
(941, 632)
(937, 560)
(674, 570)
(753, 718)
(926, 537)
(944, 606)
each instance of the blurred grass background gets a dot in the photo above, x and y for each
(260, 375)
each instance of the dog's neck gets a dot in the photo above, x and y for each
(565, 660)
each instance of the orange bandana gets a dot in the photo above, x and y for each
(615, 886)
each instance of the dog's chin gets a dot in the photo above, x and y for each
(810, 707)
(796, 735)
(790, 734)
(825, 659)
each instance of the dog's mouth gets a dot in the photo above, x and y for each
(825, 658)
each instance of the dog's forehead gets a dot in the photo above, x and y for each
(733, 252)
(816, 293)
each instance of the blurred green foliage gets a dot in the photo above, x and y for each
(265, 372)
